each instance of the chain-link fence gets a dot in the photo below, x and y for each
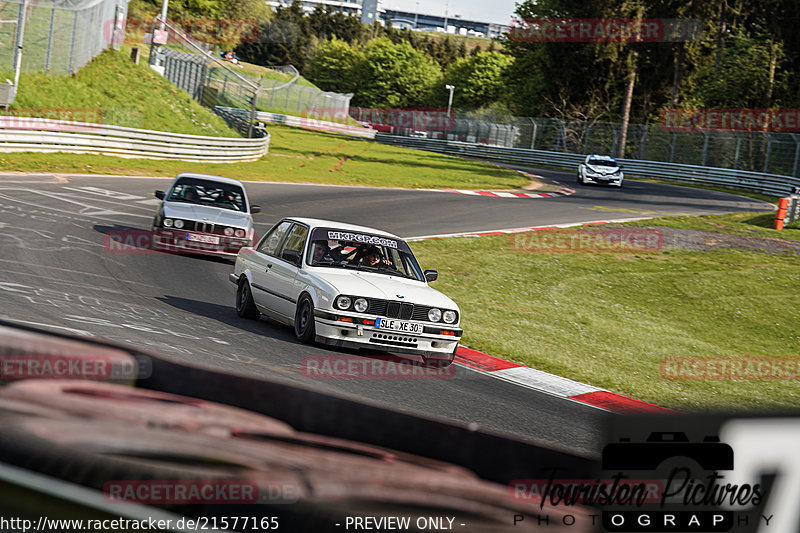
(758, 151)
(225, 83)
(59, 36)
(280, 92)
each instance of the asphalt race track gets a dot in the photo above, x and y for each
(56, 273)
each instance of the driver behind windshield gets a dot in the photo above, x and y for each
(373, 258)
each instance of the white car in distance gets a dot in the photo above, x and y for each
(349, 286)
(600, 169)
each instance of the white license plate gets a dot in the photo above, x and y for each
(205, 239)
(398, 325)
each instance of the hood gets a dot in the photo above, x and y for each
(371, 285)
(597, 169)
(216, 215)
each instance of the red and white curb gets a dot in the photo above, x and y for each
(563, 191)
(487, 233)
(553, 385)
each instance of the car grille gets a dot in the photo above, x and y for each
(401, 310)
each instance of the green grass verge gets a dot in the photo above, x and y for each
(610, 319)
(298, 155)
(120, 93)
(751, 224)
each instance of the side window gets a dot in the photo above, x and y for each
(270, 243)
(296, 239)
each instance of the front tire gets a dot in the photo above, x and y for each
(304, 328)
(245, 306)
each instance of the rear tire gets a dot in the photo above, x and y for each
(245, 306)
(304, 328)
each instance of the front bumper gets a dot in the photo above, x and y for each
(431, 343)
(176, 241)
(597, 178)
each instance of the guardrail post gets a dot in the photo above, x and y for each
(738, 147)
(796, 153)
(533, 134)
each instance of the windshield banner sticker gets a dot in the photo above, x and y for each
(358, 237)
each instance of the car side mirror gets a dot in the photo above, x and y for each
(292, 256)
(159, 195)
(255, 209)
(431, 275)
(620, 166)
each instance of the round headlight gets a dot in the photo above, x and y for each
(240, 232)
(434, 315)
(450, 316)
(343, 302)
(360, 305)
(167, 222)
(228, 231)
(178, 223)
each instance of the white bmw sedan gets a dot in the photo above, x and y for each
(346, 285)
(203, 214)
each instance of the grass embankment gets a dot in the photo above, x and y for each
(131, 95)
(118, 92)
(609, 319)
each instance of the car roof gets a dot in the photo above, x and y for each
(321, 223)
(210, 177)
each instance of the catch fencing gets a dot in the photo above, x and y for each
(212, 81)
(60, 36)
(752, 151)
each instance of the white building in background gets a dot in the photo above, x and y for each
(370, 11)
(351, 7)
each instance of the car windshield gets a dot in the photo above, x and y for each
(208, 192)
(360, 251)
(603, 163)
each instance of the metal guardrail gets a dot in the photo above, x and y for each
(771, 184)
(309, 123)
(45, 135)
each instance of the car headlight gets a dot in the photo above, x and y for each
(228, 232)
(435, 315)
(449, 316)
(239, 232)
(178, 223)
(167, 222)
(361, 305)
(343, 302)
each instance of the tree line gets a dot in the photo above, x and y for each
(748, 56)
